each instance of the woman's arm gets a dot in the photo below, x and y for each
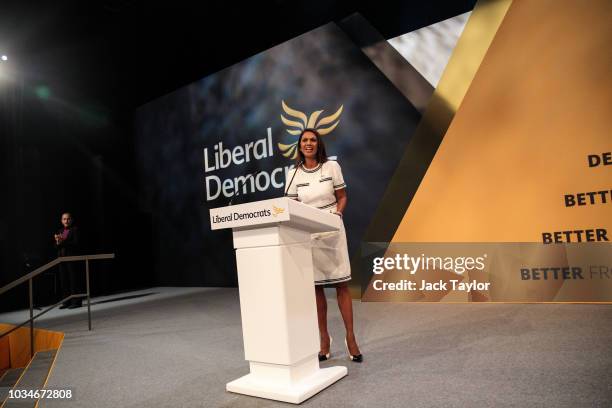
(341, 199)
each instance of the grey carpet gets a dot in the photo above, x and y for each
(181, 350)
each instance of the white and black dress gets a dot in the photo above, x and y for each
(316, 187)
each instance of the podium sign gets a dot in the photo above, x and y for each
(277, 299)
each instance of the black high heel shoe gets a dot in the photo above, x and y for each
(358, 358)
(323, 357)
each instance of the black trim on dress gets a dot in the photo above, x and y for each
(327, 206)
(304, 169)
(337, 280)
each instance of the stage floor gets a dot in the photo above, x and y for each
(178, 347)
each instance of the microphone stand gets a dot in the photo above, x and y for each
(294, 173)
(240, 185)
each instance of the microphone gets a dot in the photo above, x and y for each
(294, 173)
(240, 185)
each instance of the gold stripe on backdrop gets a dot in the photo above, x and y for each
(452, 87)
(454, 83)
(517, 148)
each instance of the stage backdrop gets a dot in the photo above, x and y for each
(491, 195)
(196, 145)
(523, 174)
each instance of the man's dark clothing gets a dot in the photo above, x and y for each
(70, 280)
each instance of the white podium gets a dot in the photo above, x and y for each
(277, 298)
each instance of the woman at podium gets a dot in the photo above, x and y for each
(318, 182)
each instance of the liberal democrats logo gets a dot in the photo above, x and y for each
(277, 211)
(301, 121)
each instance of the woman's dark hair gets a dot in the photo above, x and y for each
(321, 153)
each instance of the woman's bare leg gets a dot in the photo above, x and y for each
(345, 303)
(322, 318)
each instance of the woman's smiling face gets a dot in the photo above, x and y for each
(308, 145)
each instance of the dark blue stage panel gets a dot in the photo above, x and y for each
(196, 145)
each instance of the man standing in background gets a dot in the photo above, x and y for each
(67, 244)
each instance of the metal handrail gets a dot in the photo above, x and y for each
(79, 295)
(30, 276)
(50, 265)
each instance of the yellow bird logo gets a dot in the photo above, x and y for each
(300, 121)
(276, 210)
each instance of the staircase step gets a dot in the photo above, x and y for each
(33, 378)
(7, 382)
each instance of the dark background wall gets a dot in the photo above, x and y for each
(321, 69)
(76, 73)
